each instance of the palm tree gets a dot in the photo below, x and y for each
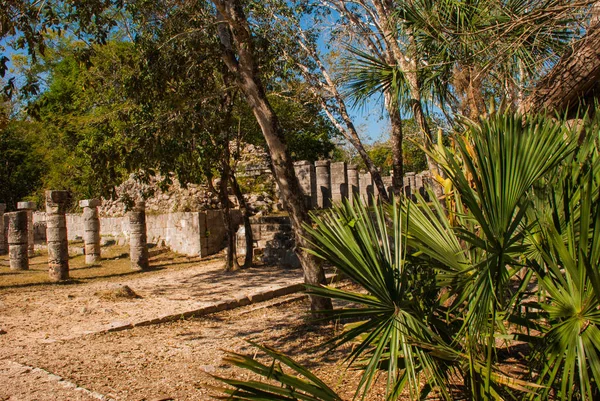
(441, 285)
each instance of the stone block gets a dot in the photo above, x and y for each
(90, 203)
(339, 182)
(323, 183)
(26, 205)
(58, 196)
(305, 171)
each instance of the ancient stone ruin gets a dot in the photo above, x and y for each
(138, 246)
(17, 240)
(56, 233)
(91, 227)
(3, 245)
(323, 184)
(28, 207)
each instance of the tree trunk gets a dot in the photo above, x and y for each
(408, 64)
(230, 259)
(244, 67)
(393, 109)
(246, 218)
(572, 85)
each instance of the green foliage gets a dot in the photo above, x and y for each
(448, 287)
(22, 167)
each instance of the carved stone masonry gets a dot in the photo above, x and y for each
(17, 240)
(56, 235)
(3, 244)
(29, 207)
(138, 247)
(323, 184)
(91, 230)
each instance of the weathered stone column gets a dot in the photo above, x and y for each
(409, 184)
(305, 171)
(138, 247)
(339, 182)
(353, 182)
(17, 240)
(3, 244)
(28, 207)
(323, 184)
(91, 230)
(56, 235)
(366, 187)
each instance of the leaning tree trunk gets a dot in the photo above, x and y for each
(246, 214)
(572, 84)
(393, 109)
(244, 67)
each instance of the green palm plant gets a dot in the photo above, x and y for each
(467, 50)
(567, 270)
(440, 285)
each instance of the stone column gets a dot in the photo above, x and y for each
(305, 171)
(339, 182)
(56, 235)
(138, 247)
(388, 183)
(353, 182)
(91, 230)
(28, 207)
(366, 187)
(419, 188)
(409, 184)
(3, 244)
(17, 240)
(323, 184)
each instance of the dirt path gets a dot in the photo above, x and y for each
(48, 353)
(175, 360)
(49, 313)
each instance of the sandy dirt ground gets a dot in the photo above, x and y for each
(48, 349)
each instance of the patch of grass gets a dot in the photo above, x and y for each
(114, 265)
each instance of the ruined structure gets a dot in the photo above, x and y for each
(3, 244)
(56, 235)
(91, 233)
(353, 182)
(305, 171)
(17, 240)
(333, 183)
(28, 207)
(323, 184)
(138, 247)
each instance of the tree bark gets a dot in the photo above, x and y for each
(408, 64)
(349, 131)
(246, 218)
(235, 36)
(226, 109)
(572, 85)
(230, 259)
(393, 109)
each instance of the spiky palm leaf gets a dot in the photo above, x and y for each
(301, 385)
(395, 312)
(569, 276)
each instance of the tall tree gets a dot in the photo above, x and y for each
(237, 44)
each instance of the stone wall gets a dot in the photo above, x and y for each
(273, 241)
(325, 183)
(188, 233)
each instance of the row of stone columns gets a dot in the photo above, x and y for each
(325, 183)
(20, 234)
